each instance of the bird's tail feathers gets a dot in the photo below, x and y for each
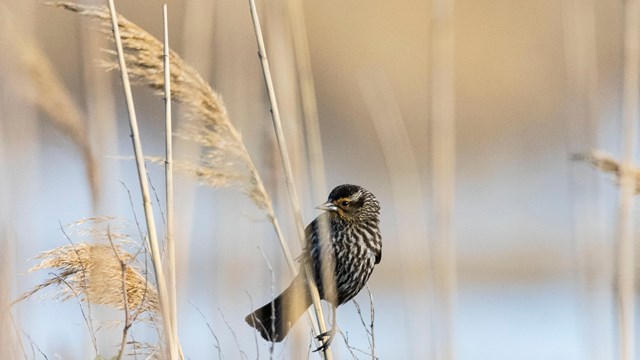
(275, 319)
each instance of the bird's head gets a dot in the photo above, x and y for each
(351, 203)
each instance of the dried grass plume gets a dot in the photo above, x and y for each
(224, 160)
(48, 92)
(608, 164)
(93, 273)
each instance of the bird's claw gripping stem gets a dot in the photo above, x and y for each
(326, 338)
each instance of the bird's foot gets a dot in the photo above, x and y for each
(326, 338)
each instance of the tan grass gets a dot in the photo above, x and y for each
(154, 246)
(104, 273)
(443, 170)
(48, 92)
(93, 273)
(224, 160)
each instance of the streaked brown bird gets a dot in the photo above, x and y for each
(343, 247)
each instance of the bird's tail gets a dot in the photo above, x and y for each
(274, 319)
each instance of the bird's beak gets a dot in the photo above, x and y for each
(328, 206)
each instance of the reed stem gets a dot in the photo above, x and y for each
(168, 172)
(165, 307)
(286, 163)
(626, 223)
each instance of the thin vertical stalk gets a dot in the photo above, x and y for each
(101, 121)
(308, 99)
(165, 308)
(168, 173)
(286, 163)
(443, 163)
(196, 35)
(407, 198)
(593, 258)
(625, 245)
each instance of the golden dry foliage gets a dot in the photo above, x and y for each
(48, 92)
(106, 272)
(224, 160)
(608, 164)
(93, 273)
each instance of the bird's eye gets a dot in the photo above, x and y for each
(344, 203)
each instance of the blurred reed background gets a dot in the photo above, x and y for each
(461, 117)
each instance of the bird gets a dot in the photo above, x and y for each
(343, 245)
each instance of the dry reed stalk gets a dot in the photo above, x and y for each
(47, 91)
(286, 164)
(369, 328)
(213, 334)
(195, 35)
(443, 162)
(171, 247)
(407, 194)
(125, 298)
(11, 346)
(308, 99)
(593, 265)
(272, 296)
(626, 222)
(582, 70)
(99, 102)
(6, 335)
(225, 160)
(165, 305)
(311, 126)
(197, 43)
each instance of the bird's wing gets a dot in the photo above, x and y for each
(312, 237)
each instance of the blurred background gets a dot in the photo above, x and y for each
(496, 244)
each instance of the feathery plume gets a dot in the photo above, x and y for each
(608, 164)
(224, 160)
(47, 91)
(93, 272)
